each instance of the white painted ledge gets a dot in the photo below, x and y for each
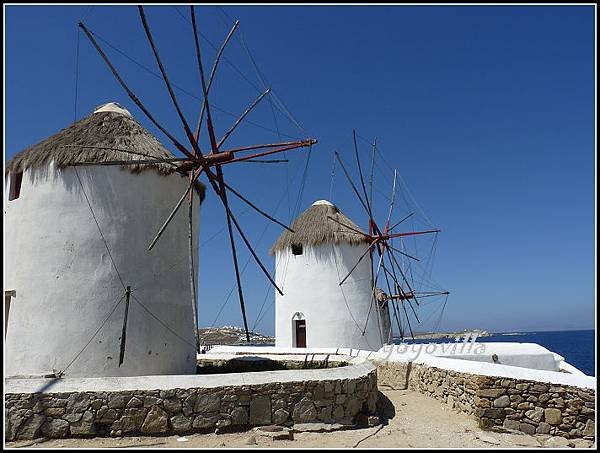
(439, 355)
(358, 368)
(250, 356)
(296, 352)
(513, 372)
(513, 358)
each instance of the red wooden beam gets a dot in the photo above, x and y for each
(302, 144)
(273, 145)
(411, 233)
(227, 157)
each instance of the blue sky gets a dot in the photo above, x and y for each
(487, 112)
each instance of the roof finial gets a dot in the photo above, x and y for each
(112, 107)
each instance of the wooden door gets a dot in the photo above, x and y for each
(300, 333)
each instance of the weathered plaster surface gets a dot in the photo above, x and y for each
(66, 284)
(335, 315)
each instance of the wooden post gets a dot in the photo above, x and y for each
(191, 264)
(124, 331)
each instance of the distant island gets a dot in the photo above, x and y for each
(460, 333)
(233, 335)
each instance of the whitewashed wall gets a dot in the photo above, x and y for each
(335, 315)
(66, 285)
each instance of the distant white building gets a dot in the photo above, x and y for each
(61, 286)
(315, 311)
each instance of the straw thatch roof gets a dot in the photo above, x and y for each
(314, 227)
(104, 128)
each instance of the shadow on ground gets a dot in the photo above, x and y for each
(385, 409)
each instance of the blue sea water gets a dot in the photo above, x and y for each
(576, 346)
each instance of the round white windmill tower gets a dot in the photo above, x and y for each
(77, 238)
(315, 310)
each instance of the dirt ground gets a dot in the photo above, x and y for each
(415, 421)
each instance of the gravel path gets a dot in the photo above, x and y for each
(415, 421)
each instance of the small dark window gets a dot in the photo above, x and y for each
(297, 249)
(15, 185)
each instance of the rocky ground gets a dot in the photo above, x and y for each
(413, 420)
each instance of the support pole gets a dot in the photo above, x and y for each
(124, 331)
(192, 271)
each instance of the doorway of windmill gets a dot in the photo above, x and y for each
(300, 325)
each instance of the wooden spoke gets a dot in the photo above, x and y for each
(373, 298)
(185, 124)
(130, 93)
(387, 223)
(175, 209)
(398, 287)
(401, 273)
(347, 226)
(371, 173)
(358, 262)
(296, 145)
(352, 184)
(272, 161)
(398, 223)
(398, 317)
(195, 163)
(128, 151)
(410, 233)
(273, 145)
(220, 192)
(413, 310)
(238, 278)
(405, 254)
(433, 293)
(212, 75)
(211, 131)
(387, 282)
(191, 263)
(129, 162)
(241, 118)
(408, 321)
(257, 209)
(362, 180)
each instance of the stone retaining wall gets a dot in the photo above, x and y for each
(210, 365)
(393, 374)
(181, 411)
(528, 406)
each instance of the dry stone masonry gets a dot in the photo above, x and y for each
(181, 411)
(527, 406)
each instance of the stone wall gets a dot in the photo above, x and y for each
(181, 411)
(393, 374)
(528, 406)
(244, 364)
(456, 389)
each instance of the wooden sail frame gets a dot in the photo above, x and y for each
(195, 163)
(378, 242)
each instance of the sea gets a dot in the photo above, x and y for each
(576, 346)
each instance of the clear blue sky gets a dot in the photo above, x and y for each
(487, 112)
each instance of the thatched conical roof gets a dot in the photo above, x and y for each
(314, 227)
(110, 126)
